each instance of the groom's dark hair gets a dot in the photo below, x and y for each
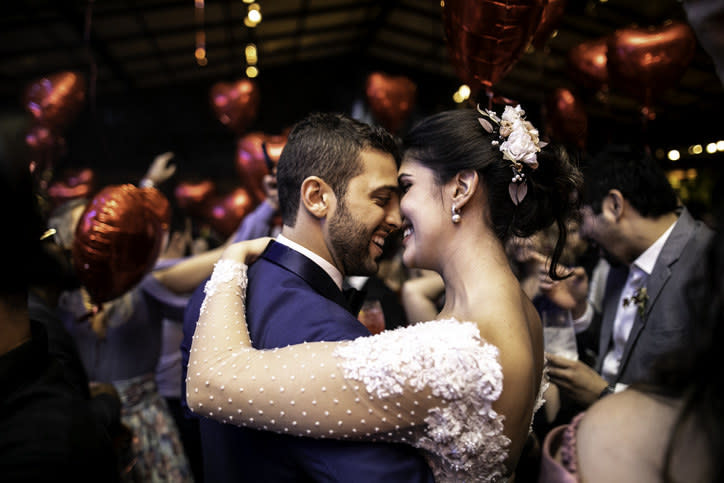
(326, 145)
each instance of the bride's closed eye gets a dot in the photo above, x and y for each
(405, 186)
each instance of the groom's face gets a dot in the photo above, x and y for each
(366, 215)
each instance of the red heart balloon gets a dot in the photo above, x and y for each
(391, 99)
(44, 147)
(485, 38)
(552, 13)
(194, 197)
(588, 64)
(251, 163)
(566, 118)
(76, 184)
(117, 241)
(235, 104)
(647, 61)
(159, 206)
(55, 100)
(224, 213)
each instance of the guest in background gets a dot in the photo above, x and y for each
(48, 429)
(668, 429)
(655, 248)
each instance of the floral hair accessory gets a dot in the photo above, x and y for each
(520, 144)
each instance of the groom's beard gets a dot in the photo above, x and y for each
(351, 242)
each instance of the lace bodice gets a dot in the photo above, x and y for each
(431, 385)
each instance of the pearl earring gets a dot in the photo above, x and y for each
(456, 215)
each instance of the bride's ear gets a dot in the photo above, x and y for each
(464, 185)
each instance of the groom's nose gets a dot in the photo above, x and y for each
(394, 218)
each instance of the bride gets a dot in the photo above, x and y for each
(462, 388)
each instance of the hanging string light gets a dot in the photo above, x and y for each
(251, 20)
(200, 52)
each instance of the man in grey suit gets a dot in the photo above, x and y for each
(654, 247)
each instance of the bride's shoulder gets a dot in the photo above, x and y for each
(437, 334)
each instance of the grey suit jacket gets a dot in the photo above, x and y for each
(667, 318)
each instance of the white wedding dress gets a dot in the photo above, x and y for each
(431, 385)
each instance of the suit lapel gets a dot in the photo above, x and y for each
(670, 253)
(305, 268)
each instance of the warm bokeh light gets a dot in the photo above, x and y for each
(464, 91)
(696, 149)
(674, 155)
(457, 97)
(200, 53)
(720, 145)
(252, 72)
(711, 148)
(202, 61)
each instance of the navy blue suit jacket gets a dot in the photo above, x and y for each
(290, 299)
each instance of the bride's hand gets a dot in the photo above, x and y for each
(246, 251)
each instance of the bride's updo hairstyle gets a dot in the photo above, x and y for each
(457, 140)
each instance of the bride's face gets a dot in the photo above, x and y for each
(424, 220)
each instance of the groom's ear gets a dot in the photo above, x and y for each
(463, 186)
(317, 196)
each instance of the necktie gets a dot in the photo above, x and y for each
(354, 298)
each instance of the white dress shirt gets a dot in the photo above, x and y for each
(331, 270)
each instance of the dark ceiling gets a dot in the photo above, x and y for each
(135, 46)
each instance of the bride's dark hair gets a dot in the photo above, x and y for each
(452, 141)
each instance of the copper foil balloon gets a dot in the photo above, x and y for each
(117, 241)
(391, 99)
(552, 13)
(193, 197)
(225, 213)
(44, 147)
(566, 118)
(55, 100)
(251, 163)
(75, 184)
(235, 104)
(485, 38)
(588, 64)
(646, 61)
(159, 205)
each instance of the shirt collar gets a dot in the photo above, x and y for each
(331, 270)
(647, 259)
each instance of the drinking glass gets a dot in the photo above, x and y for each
(371, 316)
(559, 336)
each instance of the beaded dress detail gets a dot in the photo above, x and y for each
(431, 385)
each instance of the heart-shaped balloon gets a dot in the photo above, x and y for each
(566, 118)
(44, 147)
(117, 241)
(194, 197)
(552, 13)
(485, 38)
(588, 64)
(646, 61)
(391, 99)
(55, 100)
(235, 103)
(75, 184)
(159, 205)
(252, 163)
(224, 213)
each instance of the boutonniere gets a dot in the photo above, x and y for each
(640, 297)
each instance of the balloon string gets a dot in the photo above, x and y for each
(91, 60)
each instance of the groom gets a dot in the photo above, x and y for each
(337, 181)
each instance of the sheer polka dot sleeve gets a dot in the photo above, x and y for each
(431, 385)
